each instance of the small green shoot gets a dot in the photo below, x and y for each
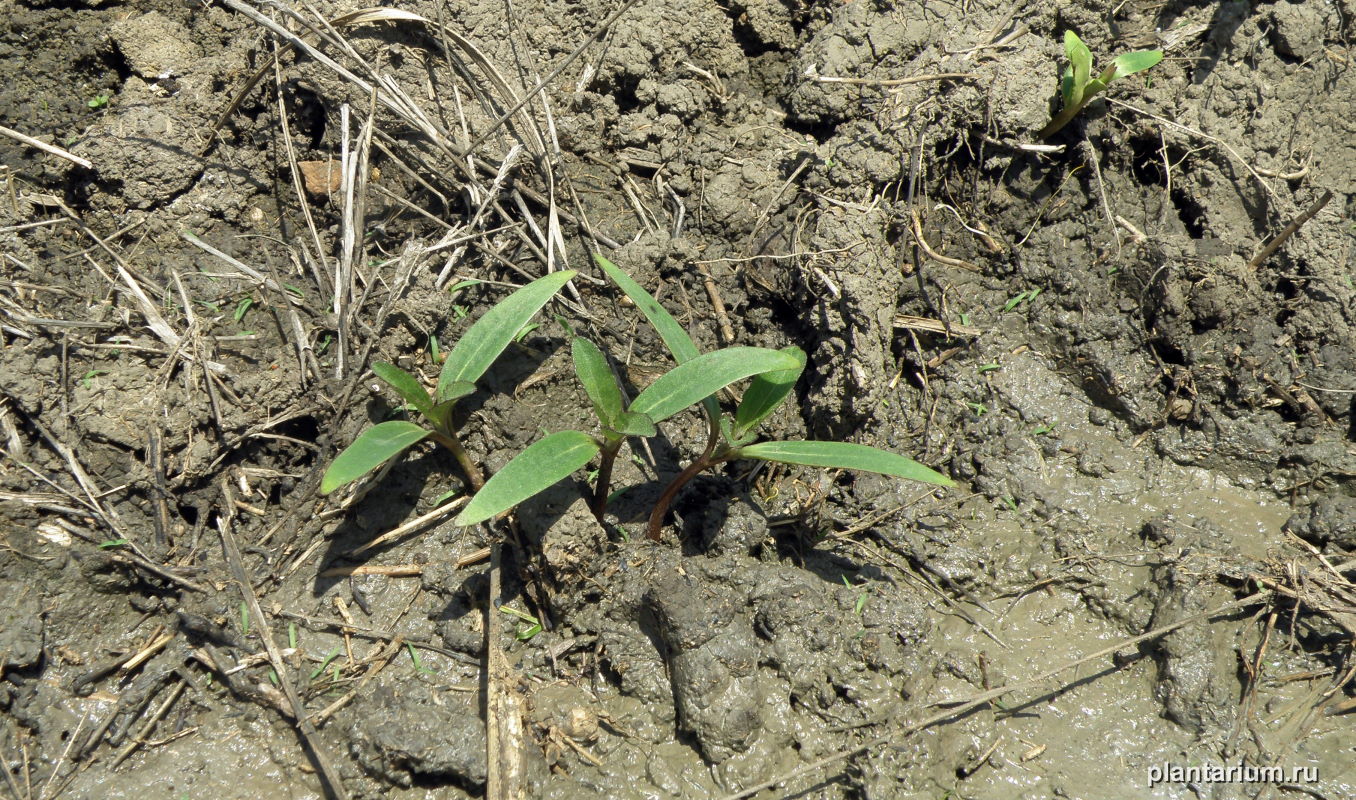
(523, 633)
(525, 332)
(469, 360)
(979, 408)
(418, 664)
(1021, 297)
(1041, 430)
(1010, 503)
(242, 308)
(87, 380)
(292, 635)
(244, 618)
(111, 543)
(989, 367)
(99, 100)
(320, 670)
(1078, 86)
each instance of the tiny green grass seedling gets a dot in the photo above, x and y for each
(1025, 296)
(98, 101)
(1078, 86)
(481, 345)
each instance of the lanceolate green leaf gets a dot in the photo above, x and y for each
(599, 383)
(765, 393)
(1138, 61)
(674, 336)
(538, 467)
(405, 384)
(370, 450)
(487, 338)
(1080, 59)
(632, 423)
(691, 382)
(844, 455)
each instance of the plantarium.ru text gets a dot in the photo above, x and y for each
(695, 379)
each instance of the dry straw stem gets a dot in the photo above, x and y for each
(505, 734)
(1194, 132)
(964, 706)
(45, 147)
(1288, 231)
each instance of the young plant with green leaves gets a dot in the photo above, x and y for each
(696, 379)
(554, 457)
(1078, 85)
(481, 345)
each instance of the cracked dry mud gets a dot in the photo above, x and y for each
(1145, 423)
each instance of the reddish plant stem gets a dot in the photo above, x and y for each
(453, 444)
(603, 486)
(702, 462)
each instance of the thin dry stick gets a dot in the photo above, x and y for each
(305, 730)
(938, 76)
(1289, 230)
(986, 697)
(503, 711)
(140, 736)
(431, 518)
(917, 229)
(45, 147)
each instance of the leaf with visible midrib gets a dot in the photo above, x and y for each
(540, 466)
(406, 385)
(590, 365)
(765, 393)
(370, 450)
(673, 334)
(844, 455)
(692, 381)
(675, 338)
(492, 333)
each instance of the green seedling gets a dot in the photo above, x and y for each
(418, 663)
(323, 664)
(990, 367)
(482, 344)
(1021, 297)
(695, 380)
(242, 308)
(98, 101)
(87, 380)
(554, 457)
(1078, 86)
(111, 543)
(523, 633)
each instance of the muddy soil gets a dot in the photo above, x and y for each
(1133, 345)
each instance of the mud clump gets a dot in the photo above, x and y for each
(410, 733)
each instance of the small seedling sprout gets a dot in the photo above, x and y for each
(696, 379)
(481, 345)
(1078, 85)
